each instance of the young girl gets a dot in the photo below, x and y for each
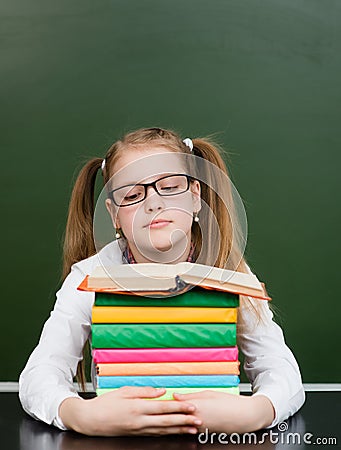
(160, 219)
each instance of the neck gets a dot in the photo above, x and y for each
(172, 256)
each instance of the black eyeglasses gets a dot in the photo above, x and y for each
(135, 193)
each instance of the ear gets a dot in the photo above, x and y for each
(112, 212)
(196, 195)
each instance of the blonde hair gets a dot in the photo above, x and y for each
(79, 242)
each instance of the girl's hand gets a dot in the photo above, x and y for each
(230, 413)
(127, 412)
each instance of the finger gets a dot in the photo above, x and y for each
(167, 430)
(193, 395)
(170, 420)
(142, 391)
(185, 397)
(167, 407)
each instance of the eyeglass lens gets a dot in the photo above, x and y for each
(166, 186)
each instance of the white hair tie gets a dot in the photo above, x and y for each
(103, 164)
(189, 143)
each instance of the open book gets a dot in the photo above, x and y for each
(172, 278)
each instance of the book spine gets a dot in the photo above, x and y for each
(193, 298)
(168, 380)
(168, 368)
(186, 390)
(150, 314)
(145, 355)
(161, 335)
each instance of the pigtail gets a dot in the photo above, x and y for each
(78, 239)
(227, 222)
(217, 252)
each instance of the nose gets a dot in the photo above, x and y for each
(153, 200)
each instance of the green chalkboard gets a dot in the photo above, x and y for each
(264, 75)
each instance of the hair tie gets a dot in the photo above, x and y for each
(103, 164)
(189, 143)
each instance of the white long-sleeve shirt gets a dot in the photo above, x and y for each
(47, 378)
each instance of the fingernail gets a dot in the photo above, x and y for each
(191, 408)
(198, 422)
(193, 430)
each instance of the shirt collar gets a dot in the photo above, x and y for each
(129, 257)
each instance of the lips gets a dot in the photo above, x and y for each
(158, 221)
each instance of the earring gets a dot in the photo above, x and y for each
(117, 234)
(196, 218)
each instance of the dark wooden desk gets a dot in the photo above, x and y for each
(320, 416)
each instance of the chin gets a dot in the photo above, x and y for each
(162, 247)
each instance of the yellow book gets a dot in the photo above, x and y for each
(150, 314)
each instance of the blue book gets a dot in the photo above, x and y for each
(168, 381)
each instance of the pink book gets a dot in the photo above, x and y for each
(130, 355)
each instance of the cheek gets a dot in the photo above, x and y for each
(129, 220)
(182, 203)
(184, 219)
(124, 218)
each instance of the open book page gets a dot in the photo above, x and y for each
(192, 273)
(153, 276)
(126, 277)
(152, 270)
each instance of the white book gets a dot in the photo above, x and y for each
(164, 277)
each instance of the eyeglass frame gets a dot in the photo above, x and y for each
(153, 184)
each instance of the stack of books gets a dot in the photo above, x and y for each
(184, 342)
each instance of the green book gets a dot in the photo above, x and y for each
(194, 297)
(168, 395)
(163, 335)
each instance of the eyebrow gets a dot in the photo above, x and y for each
(156, 178)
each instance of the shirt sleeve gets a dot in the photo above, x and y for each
(269, 364)
(47, 378)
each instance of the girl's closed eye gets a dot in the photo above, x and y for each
(125, 196)
(173, 184)
(133, 196)
(170, 188)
